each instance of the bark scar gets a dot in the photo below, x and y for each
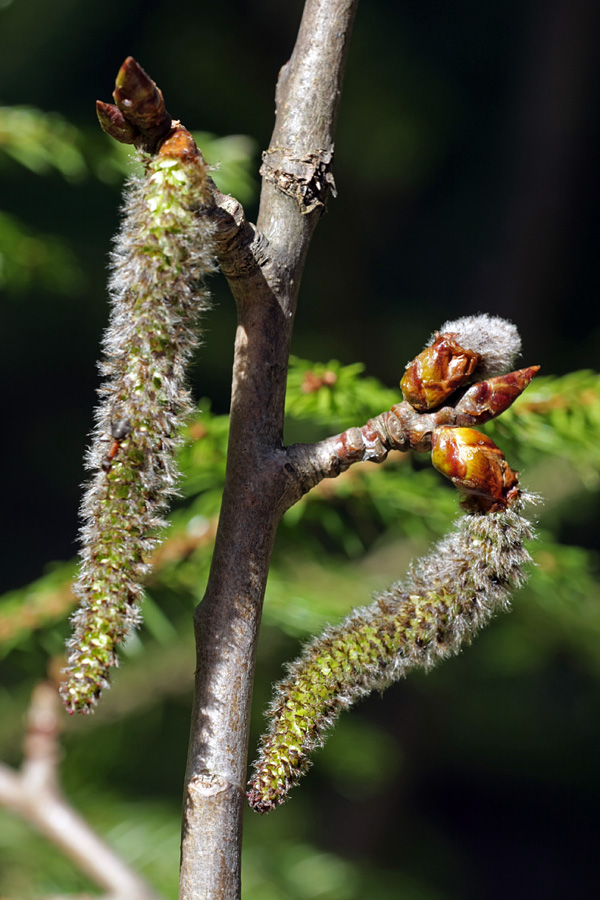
(306, 179)
(206, 784)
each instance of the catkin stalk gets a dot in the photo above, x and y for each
(161, 257)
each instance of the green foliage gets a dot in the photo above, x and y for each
(35, 606)
(29, 259)
(45, 144)
(233, 160)
(282, 867)
(371, 512)
(556, 418)
(349, 537)
(506, 731)
(147, 838)
(42, 142)
(332, 396)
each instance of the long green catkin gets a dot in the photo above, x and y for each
(161, 257)
(447, 597)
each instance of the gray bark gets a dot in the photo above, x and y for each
(264, 268)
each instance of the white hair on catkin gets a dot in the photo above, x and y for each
(446, 599)
(162, 254)
(496, 340)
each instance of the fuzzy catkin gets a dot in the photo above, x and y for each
(447, 597)
(161, 257)
(497, 341)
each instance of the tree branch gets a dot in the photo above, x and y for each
(34, 793)
(404, 428)
(260, 480)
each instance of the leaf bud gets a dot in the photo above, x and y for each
(476, 466)
(141, 103)
(437, 372)
(488, 399)
(114, 123)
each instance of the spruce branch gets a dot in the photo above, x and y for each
(162, 255)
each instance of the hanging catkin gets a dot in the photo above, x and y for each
(161, 257)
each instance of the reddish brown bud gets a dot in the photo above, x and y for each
(136, 95)
(488, 399)
(476, 466)
(437, 372)
(141, 103)
(114, 123)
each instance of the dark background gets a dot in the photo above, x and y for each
(466, 165)
(467, 173)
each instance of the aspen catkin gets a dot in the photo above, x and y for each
(448, 596)
(161, 257)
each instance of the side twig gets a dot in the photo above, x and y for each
(404, 428)
(34, 794)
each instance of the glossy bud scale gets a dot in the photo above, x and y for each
(476, 466)
(137, 96)
(437, 372)
(114, 123)
(139, 116)
(490, 398)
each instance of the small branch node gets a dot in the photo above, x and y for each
(307, 179)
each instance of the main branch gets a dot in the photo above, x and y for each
(259, 482)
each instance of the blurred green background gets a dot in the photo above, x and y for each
(466, 166)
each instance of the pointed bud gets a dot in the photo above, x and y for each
(141, 101)
(114, 123)
(488, 399)
(476, 466)
(437, 372)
